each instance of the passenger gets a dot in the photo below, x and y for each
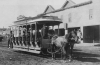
(38, 39)
(43, 32)
(79, 34)
(28, 38)
(51, 33)
(10, 44)
(37, 34)
(31, 34)
(46, 32)
(24, 38)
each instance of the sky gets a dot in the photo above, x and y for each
(11, 9)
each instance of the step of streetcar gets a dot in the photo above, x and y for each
(28, 50)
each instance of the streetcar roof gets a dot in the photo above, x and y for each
(48, 20)
(45, 21)
(51, 20)
(21, 24)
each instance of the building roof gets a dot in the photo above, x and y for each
(68, 3)
(49, 8)
(74, 6)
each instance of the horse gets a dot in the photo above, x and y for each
(72, 39)
(65, 43)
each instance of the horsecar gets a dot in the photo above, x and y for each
(34, 35)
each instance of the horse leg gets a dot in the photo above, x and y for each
(68, 51)
(71, 51)
(53, 55)
(72, 46)
(63, 53)
(53, 50)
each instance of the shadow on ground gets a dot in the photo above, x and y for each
(38, 55)
(77, 54)
(86, 57)
(97, 45)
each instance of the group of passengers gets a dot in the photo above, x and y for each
(45, 33)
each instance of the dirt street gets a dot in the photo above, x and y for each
(83, 55)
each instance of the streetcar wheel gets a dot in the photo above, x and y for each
(44, 51)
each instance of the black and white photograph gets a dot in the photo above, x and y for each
(49, 32)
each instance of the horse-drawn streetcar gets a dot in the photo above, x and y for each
(34, 35)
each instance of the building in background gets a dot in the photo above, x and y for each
(4, 31)
(84, 16)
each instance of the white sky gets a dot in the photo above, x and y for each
(11, 9)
